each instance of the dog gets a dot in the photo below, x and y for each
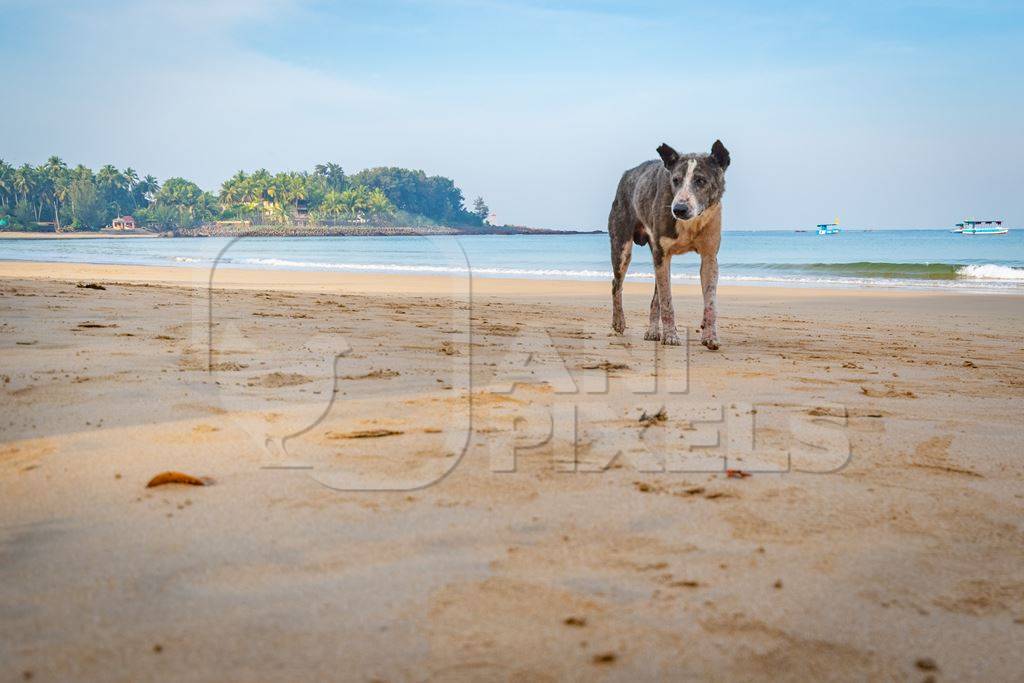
(675, 205)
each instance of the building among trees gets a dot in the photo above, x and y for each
(123, 223)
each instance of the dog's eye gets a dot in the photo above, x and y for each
(699, 182)
(677, 179)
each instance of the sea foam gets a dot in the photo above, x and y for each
(991, 271)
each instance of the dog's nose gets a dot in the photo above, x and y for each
(681, 211)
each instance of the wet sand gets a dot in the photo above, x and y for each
(369, 515)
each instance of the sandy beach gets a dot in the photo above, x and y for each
(422, 478)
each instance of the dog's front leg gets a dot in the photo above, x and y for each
(709, 285)
(663, 279)
(654, 326)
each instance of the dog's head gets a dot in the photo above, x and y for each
(698, 180)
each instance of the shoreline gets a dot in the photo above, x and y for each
(402, 283)
(16, 235)
(941, 262)
(318, 232)
(383, 282)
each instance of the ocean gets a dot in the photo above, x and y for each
(916, 259)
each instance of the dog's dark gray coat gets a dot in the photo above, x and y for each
(674, 205)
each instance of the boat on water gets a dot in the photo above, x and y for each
(959, 227)
(983, 228)
(828, 228)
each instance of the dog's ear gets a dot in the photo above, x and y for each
(720, 154)
(668, 155)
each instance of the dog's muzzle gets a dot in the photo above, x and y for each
(682, 212)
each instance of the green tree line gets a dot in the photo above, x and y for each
(80, 199)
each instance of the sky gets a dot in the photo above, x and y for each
(892, 114)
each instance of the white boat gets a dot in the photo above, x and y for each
(983, 228)
(959, 227)
(828, 228)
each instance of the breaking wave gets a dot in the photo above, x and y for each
(991, 271)
(907, 271)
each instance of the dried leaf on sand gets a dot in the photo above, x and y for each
(606, 365)
(373, 374)
(363, 434)
(658, 417)
(171, 477)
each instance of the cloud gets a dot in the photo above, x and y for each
(166, 86)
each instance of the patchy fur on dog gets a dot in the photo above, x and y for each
(675, 206)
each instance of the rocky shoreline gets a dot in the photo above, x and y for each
(236, 230)
(297, 231)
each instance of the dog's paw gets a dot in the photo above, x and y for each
(652, 335)
(670, 338)
(711, 343)
(619, 323)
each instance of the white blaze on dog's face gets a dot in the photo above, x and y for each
(697, 180)
(685, 204)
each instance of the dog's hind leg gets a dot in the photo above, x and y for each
(622, 252)
(654, 326)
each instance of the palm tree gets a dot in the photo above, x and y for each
(147, 188)
(297, 189)
(24, 181)
(26, 184)
(332, 207)
(379, 205)
(130, 177)
(232, 189)
(79, 174)
(55, 165)
(131, 180)
(6, 183)
(112, 186)
(56, 172)
(111, 178)
(259, 193)
(333, 174)
(358, 201)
